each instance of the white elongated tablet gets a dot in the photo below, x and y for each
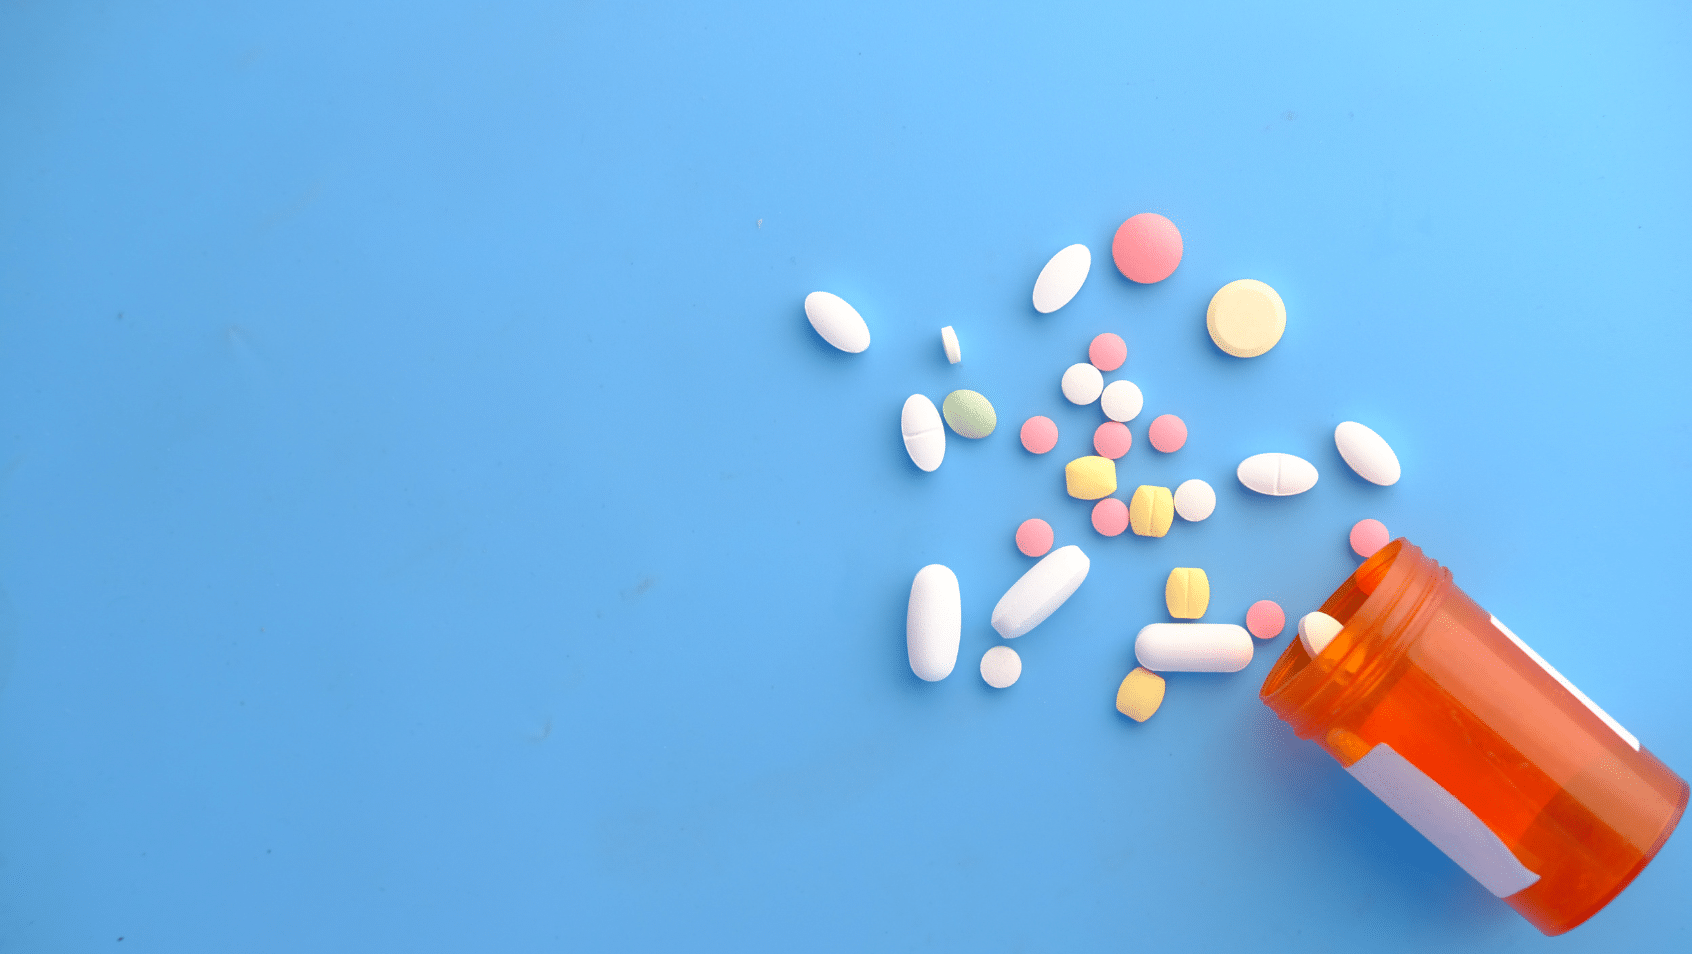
(1316, 630)
(1122, 400)
(1061, 278)
(1193, 647)
(1278, 475)
(933, 623)
(1082, 383)
(925, 437)
(1195, 500)
(838, 323)
(949, 342)
(1040, 591)
(1367, 453)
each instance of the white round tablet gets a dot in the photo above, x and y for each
(1001, 666)
(1195, 500)
(1082, 383)
(1122, 401)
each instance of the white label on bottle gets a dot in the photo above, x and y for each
(1627, 736)
(1442, 819)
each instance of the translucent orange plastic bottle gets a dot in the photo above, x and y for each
(1455, 723)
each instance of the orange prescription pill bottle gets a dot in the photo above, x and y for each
(1449, 718)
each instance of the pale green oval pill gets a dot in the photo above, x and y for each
(970, 414)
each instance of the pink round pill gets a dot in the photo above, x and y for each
(1147, 248)
(1112, 439)
(1034, 537)
(1265, 619)
(1107, 352)
(1110, 516)
(1168, 433)
(1039, 434)
(1368, 536)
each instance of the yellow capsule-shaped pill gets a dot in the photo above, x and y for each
(1091, 478)
(1140, 694)
(1151, 510)
(1187, 592)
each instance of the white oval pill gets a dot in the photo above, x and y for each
(949, 341)
(1082, 383)
(1367, 453)
(1040, 591)
(1061, 278)
(1001, 667)
(1195, 500)
(1122, 401)
(925, 437)
(1193, 647)
(1278, 475)
(1316, 630)
(838, 323)
(933, 623)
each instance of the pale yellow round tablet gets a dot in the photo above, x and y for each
(1246, 318)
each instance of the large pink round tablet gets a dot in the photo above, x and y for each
(1107, 352)
(1034, 537)
(1039, 434)
(1147, 248)
(1112, 439)
(1368, 536)
(1110, 516)
(1168, 433)
(1265, 620)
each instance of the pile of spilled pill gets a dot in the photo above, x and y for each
(1245, 319)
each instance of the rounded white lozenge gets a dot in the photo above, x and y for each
(1193, 647)
(1122, 400)
(1278, 475)
(838, 323)
(1001, 667)
(933, 623)
(1082, 383)
(1040, 591)
(1195, 500)
(1316, 630)
(1061, 278)
(1367, 453)
(925, 437)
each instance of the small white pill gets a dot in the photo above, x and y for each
(1122, 401)
(838, 323)
(1040, 591)
(949, 341)
(1001, 667)
(1367, 453)
(933, 623)
(1316, 630)
(925, 437)
(1193, 647)
(1195, 500)
(1082, 383)
(1278, 475)
(1061, 278)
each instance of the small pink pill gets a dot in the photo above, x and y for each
(1368, 536)
(1034, 537)
(1110, 516)
(1112, 439)
(1107, 352)
(1168, 433)
(1265, 619)
(1147, 248)
(1039, 434)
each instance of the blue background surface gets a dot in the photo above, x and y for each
(428, 523)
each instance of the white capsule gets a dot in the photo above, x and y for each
(1367, 453)
(925, 436)
(838, 323)
(1316, 631)
(1061, 278)
(1122, 401)
(1040, 591)
(1195, 500)
(1279, 475)
(1193, 647)
(1082, 383)
(933, 623)
(949, 341)
(1001, 667)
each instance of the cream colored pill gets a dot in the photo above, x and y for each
(933, 623)
(1040, 591)
(1187, 592)
(1061, 278)
(1278, 475)
(1140, 694)
(1001, 667)
(1089, 478)
(949, 341)
(1082, 383)
(1150, 511)
(1193, 647)
(1195, 500)
(1316, 630)
(925, 438)
(1246, 318)
(1367, 453)
(838, 323)
(1122, 400)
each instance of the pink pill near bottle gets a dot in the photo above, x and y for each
(1368, 536)
(1034, 537)
(1039, 434)
(1112, 439)
(1265, 619)
(1147, 248)
(1167, 433)
(1110, 516)
(1107, 352)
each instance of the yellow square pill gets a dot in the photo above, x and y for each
(1090, 478)
(1187, 592)
(1140, 694)
(1151, 511)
